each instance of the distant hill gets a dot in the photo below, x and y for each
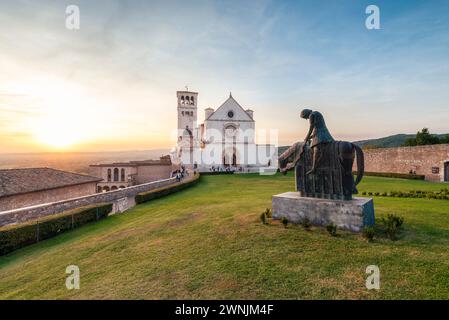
(396, 140)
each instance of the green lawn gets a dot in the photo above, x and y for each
(207, 242)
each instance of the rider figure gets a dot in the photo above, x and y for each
(319, 134)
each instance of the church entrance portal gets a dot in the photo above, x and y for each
(230, 158)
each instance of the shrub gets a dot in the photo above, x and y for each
(263, 218)
(160, 192)
(15, 238)
(364, 193)
(51, 228)
(376, 194)
(306, 223)
(368, 233)
(440, 195)
(284, 221)
(392, 224)
(396, 175)
(268, 213)
(18, 236)
(332, 229)
(214, 173)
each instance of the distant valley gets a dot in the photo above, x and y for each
(74, 161)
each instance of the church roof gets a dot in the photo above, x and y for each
(18, 181)
(230, 104)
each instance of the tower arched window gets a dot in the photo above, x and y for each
(191, 100)
(122, 175)
(109, 175)
(182, 99)
(115, 174)
(187, 100)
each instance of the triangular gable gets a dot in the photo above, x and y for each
(230, 105)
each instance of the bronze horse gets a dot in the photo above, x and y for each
(341, 159)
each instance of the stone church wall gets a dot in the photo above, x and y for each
(424, 160)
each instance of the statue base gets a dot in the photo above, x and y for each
(351, 215)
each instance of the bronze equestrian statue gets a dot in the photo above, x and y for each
(323, 166)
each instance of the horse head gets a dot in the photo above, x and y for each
(287, 158)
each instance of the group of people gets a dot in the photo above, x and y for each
(180, 174)
(225, 169)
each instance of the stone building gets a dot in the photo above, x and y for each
(432, 161)
(119, 175)
(225, 140)
(33, 186)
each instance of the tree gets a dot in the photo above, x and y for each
(422, 138)
(410, 142)
(444, 139)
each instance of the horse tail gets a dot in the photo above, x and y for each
(360, 164)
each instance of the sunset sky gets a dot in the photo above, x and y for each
(112, 84)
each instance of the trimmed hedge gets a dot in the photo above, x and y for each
(214, 173)
(17, 236)
(443, 194)
(396, 175)
(158, 193)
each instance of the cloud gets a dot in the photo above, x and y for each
(129, 58)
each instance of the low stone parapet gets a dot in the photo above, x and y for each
(122, 199)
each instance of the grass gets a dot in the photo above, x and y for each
(381, 184)
(207, 242)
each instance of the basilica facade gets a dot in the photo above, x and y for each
(225, 141)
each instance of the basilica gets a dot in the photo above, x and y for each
(225, 141)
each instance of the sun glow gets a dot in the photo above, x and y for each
(58, 135)
(64, 113)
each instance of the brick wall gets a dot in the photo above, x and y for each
(122, 199)
(425, 160)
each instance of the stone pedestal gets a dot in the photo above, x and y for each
(351, 215)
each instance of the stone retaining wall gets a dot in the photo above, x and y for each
(431, 161)
(122, 200)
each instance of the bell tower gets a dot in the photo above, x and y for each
(187, 131)
(187, 112)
